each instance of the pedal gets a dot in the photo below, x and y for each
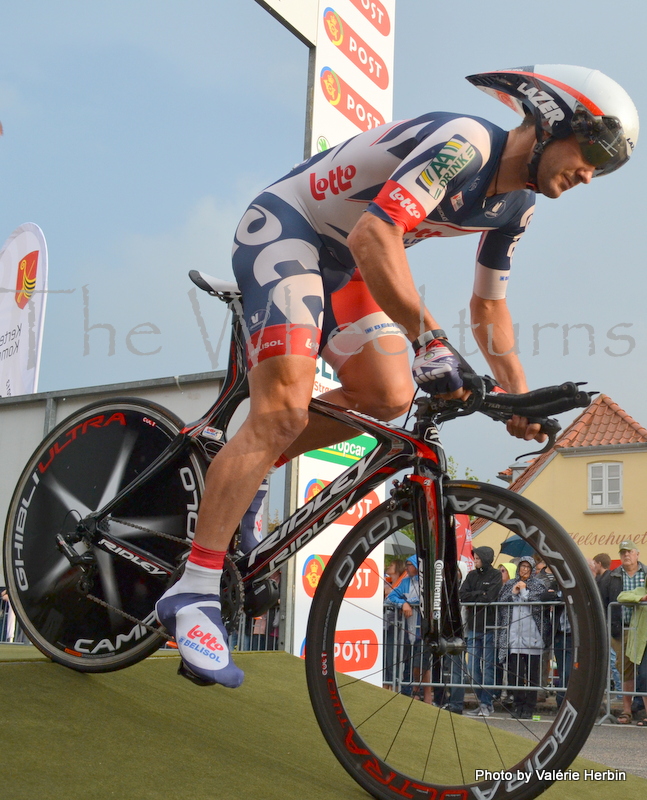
(187, 673)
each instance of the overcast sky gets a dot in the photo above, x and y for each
(137, 132)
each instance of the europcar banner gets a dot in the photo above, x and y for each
(23, 293)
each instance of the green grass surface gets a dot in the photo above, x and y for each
(145, 733)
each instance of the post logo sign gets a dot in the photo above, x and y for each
(365, 583)
(356, 650)
(354, 61)
(355, 49)
(312, 572)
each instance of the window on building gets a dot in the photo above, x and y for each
(605, 486)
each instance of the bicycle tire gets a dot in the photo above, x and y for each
(391, 744)
(82, 464)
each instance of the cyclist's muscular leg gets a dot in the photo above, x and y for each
(280, 390)
(376, 380)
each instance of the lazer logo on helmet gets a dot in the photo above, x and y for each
(543, 102)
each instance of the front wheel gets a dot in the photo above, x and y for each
(104, 622)
(393, 745)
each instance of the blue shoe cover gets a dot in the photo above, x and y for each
(195, 622)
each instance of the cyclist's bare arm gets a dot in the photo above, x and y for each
(494, 334)
(378, 250)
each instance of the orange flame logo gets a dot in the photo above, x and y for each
(26, 278)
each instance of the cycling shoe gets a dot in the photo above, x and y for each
(195, 622)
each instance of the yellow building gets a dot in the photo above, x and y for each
(593, 482)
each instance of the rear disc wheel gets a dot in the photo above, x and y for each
(81, 465)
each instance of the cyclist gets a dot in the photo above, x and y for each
(320, 260)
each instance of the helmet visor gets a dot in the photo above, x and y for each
(601, 140)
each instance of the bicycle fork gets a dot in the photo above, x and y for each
(438, 574)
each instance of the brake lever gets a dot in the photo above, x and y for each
(552, 428)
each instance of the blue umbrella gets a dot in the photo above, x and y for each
(516, 547)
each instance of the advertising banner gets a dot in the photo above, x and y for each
(361, 618)
(353, 80)
(23, 294)
(351, 91)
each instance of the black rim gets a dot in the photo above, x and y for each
(80, 466)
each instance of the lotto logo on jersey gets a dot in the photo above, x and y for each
(400, 205)
(452, 159)
(337, 180)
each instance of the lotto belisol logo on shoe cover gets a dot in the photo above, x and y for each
(211, 644)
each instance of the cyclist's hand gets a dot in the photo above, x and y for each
(436, 368)
(522, 429)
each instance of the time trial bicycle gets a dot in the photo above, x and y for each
(104, 513)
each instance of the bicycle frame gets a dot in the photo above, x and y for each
(396, 449)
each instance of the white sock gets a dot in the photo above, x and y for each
(197, 580)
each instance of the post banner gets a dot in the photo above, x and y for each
(353, 80)
(23, 293)
(361, 619)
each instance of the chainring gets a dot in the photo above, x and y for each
(232, 594)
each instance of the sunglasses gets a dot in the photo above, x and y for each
(601, 140)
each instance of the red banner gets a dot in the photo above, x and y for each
(348, 101)
(375, 13)
(355, 49)
(356, 650)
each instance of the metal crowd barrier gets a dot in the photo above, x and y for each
(10, 632)
(487, 668)
(636, 684)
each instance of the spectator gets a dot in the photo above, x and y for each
(508, 571)
(481, 586)
(601, 564)
(636, 649)
(630, 575)
(393, 574)
(406, 597)
(520, 637)
(545, 575)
